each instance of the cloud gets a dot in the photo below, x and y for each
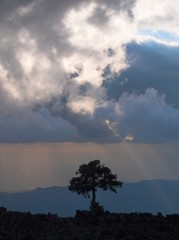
(157, 15)
(46, 44)
(21, 124)
(60, 63)
(119, 5)
(148, 118)
(143, 118)
(153, 65)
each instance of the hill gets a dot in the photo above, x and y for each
(145, 196)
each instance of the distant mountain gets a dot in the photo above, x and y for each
(145, 196)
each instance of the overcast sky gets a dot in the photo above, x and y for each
(88, 75)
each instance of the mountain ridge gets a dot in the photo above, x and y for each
(144, 196)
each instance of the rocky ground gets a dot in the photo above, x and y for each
(85, 225)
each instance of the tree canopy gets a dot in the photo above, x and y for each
(92, 176)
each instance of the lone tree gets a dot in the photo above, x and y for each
(92, 176)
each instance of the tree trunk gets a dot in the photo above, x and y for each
(93, 200)
(94, 195)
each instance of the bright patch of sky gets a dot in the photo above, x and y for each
(159, 36)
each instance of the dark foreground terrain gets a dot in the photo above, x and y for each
(85, 225)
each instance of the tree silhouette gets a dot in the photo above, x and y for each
(92, 176)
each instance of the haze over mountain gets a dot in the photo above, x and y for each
(83, 80)
(145, 196)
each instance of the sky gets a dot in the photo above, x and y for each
(83, 80)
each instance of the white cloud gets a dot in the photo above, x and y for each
(93, 43)
(82, 105)
(157, 15)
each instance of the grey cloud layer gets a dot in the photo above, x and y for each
(66, 75)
